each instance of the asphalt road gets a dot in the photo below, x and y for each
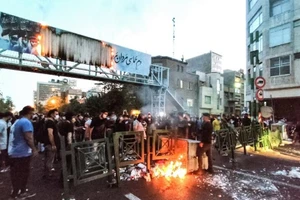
(253, 176)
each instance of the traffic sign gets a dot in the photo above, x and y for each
(260, 82)
(260, 95)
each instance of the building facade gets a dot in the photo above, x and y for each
(196, 86)
(234, 92)
(209, 69)
(182, 94)
(62, 88)
(273, 52)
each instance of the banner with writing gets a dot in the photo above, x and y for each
(128, 60)
(25, 36)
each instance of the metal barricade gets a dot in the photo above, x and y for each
(222, 140)
(83, 162)
(129, 149)
(246, 137)
(161, 145)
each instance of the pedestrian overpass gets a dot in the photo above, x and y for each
(35, 48)
(157, 80)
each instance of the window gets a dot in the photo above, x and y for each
(237, 90)
(207, 100)
(255, 22)
(218, 86)
(179, 83)
(257, 45)
(260, 43)
(178, 68)
(252, 3)
(280, 66)
(260, 70)
(280, 35)
(181, 68)
(190, 102)
(279, 6)
(190, 86)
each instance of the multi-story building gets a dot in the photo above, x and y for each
(195, 86)
(34, 97)
(211, 82)
(47, 90)
(55, 88)
(273, 29)
(182, 94)
(72, 94)
(234, 92)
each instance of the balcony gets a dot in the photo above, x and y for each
(233, 100)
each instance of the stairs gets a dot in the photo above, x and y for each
(174, 101)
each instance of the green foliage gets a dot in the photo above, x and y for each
(39, 107)
(115, 97)
(6, 104)
(74, 106)
(275, 138)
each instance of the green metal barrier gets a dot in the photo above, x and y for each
(129, 149)
(230, 138)
(226, 139)
(83, 162)
(161, 145)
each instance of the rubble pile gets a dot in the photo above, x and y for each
(134, 173)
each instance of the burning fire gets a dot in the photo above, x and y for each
(170, 169)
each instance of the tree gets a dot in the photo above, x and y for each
(6, 104)
(94, 105)
(74, 106)
(39, 107)
(54, 102)
(116, 98)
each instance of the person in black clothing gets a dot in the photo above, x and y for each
(297, 133)
(205, 145)
(51, 142)
(246, 121)
(66, 129)
(123, 124)
(98, 126)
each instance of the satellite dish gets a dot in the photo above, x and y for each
(65, 80)
(266, 111)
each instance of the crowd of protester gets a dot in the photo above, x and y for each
(24, 135)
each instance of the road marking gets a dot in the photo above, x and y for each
(260, 177)
(131, 196)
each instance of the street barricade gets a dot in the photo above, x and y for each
(231, 138)
(129, 149)
(161, 145)
(86, 161)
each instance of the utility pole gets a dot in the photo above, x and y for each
(173, 20)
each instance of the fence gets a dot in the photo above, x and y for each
(85, 161)
(161, 145)
(230, 138)
(129, 149)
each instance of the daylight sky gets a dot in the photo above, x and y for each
(144, 25)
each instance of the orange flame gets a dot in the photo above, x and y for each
(170, 169)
